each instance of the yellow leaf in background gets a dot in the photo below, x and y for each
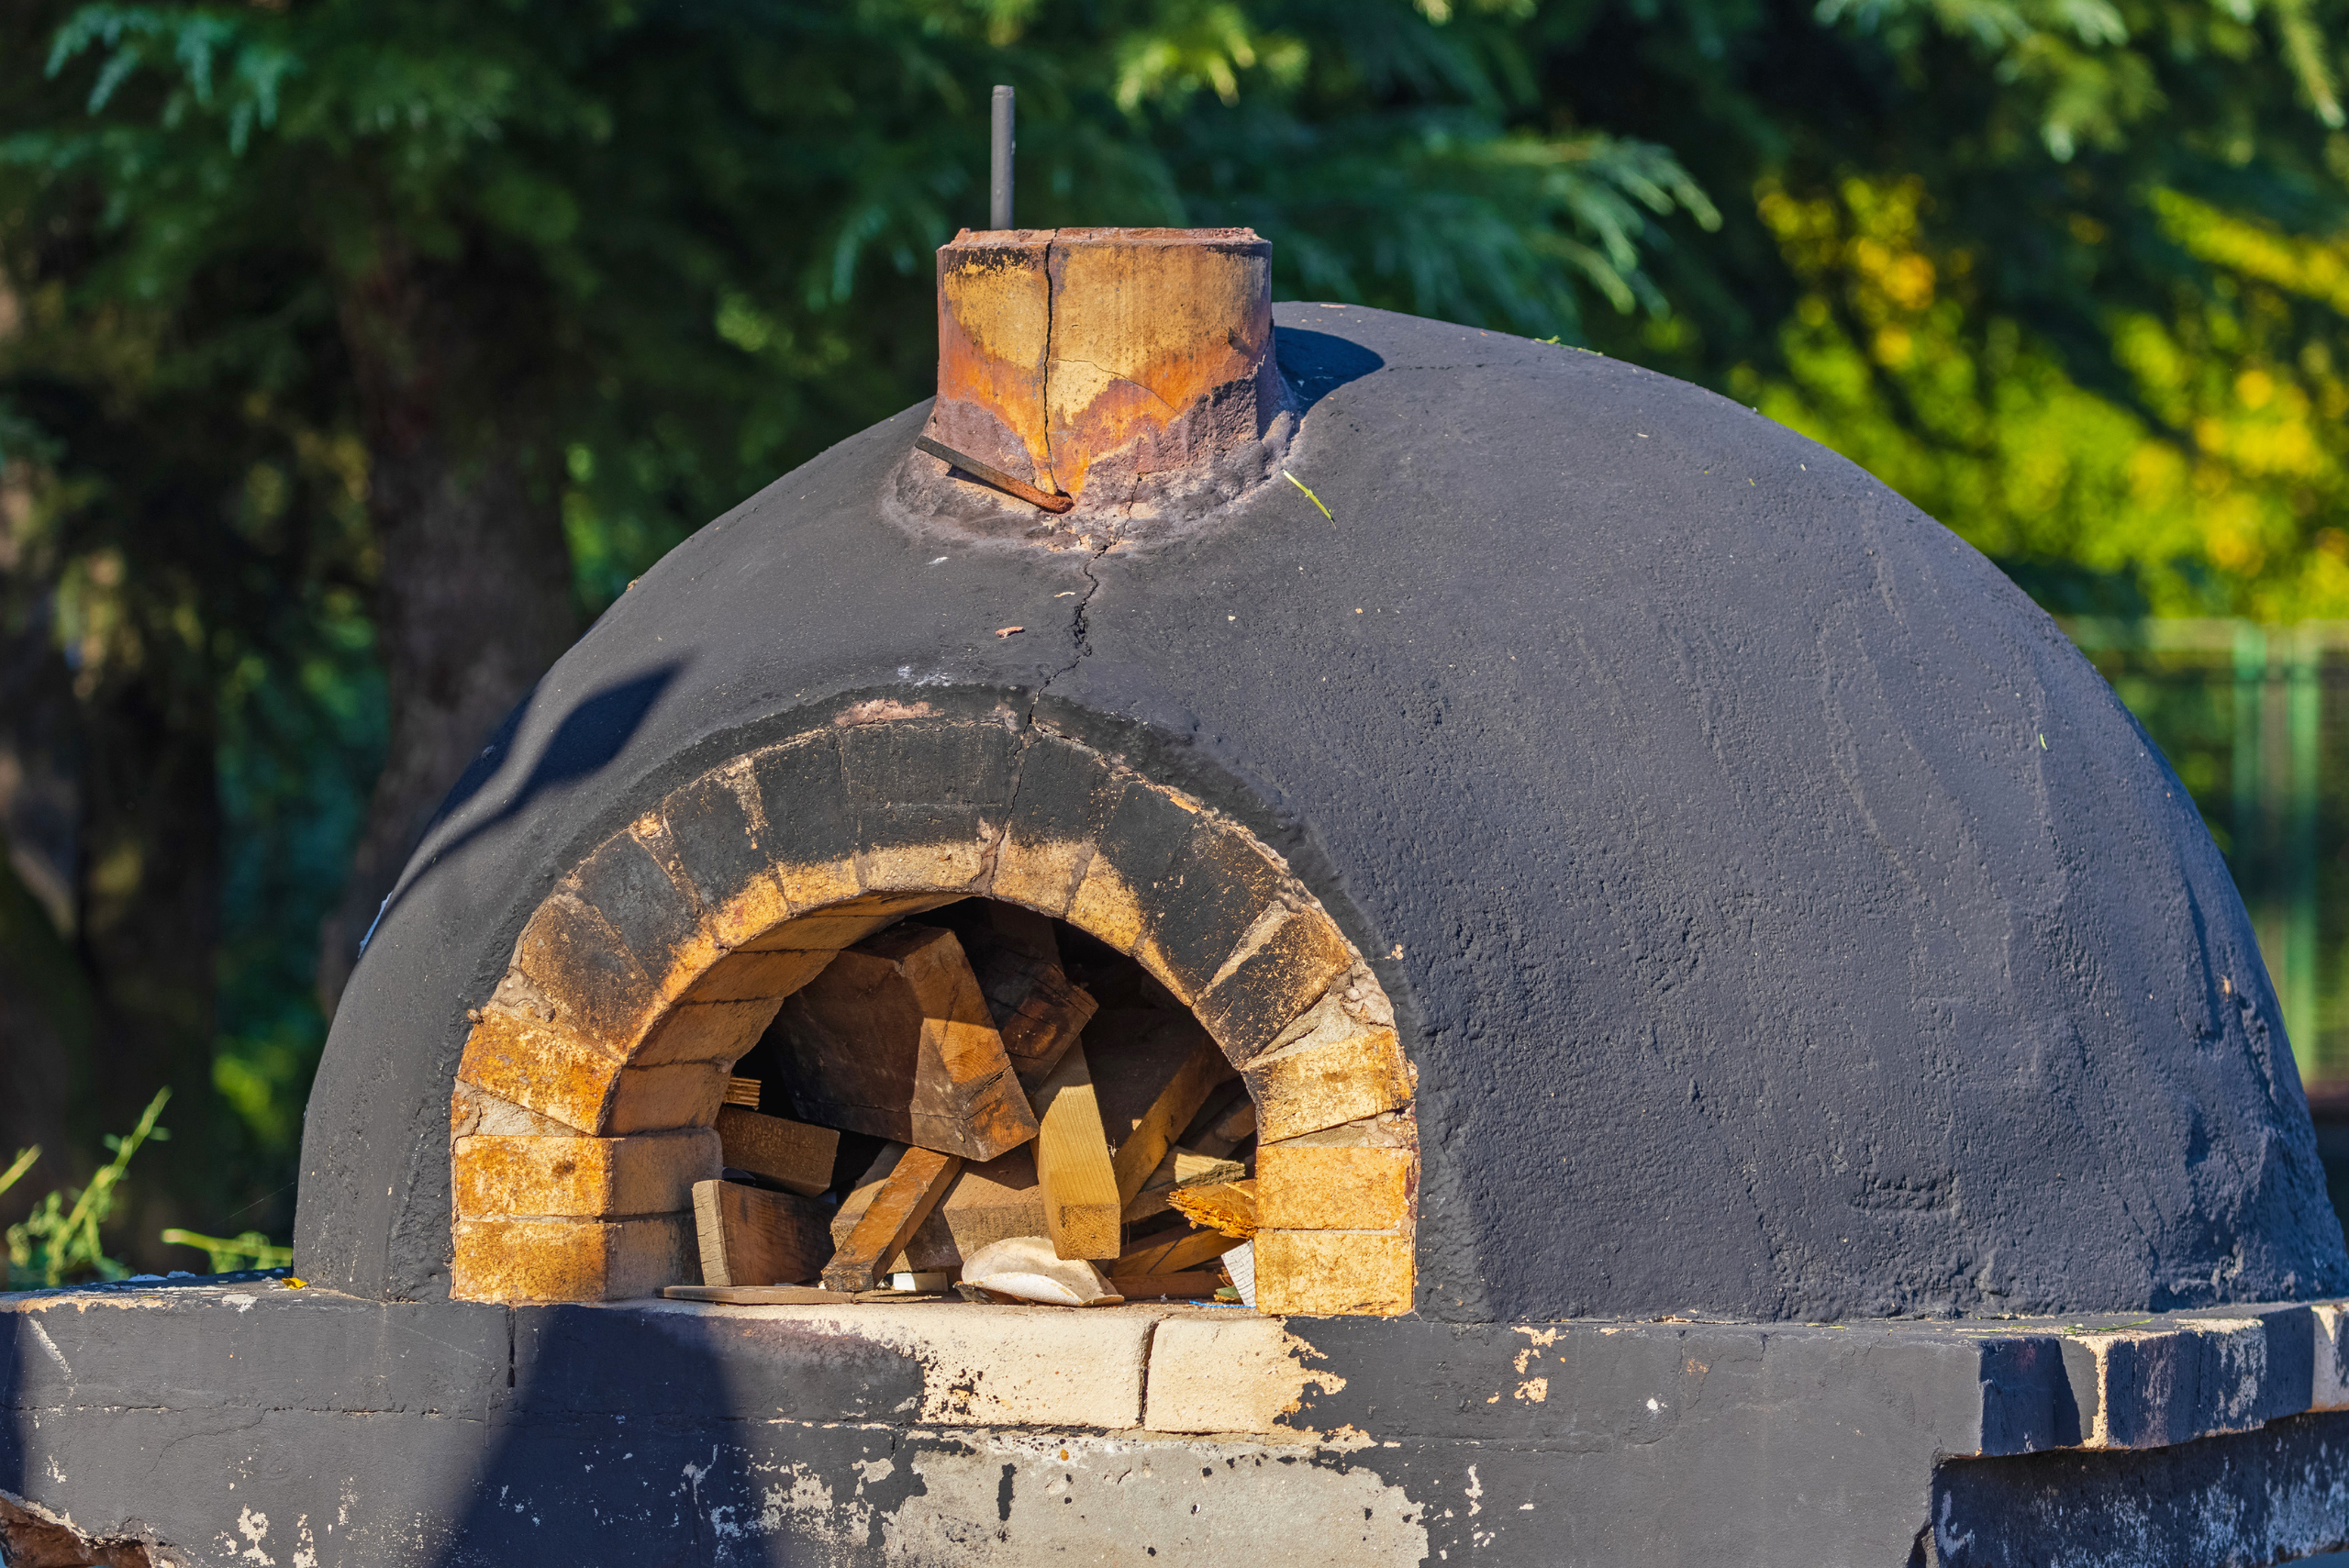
(2206, 476)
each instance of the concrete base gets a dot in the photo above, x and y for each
(250, 1422)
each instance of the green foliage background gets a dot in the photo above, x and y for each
(2071, 274)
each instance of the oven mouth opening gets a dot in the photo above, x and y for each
(912, 1057)
(867, 938)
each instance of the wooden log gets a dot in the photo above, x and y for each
(917, 1180)
(791, 1153)
(894, 1039)
(1229, 1208)
(1072, 1167)
(1150, 1073)
(990, 1202)
(1181, 1168)
(750, 1236)
(1171, 1253)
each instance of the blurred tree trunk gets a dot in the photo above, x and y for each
(45, 1016)
(44, 1033)
(149, 929)
(473, 593)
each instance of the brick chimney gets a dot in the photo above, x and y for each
(1108, 366)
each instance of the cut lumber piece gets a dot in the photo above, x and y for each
(1039, 1011)
(1171, 1253)
(1201, 1133)
(988, 1203)
(894, 1039)
(1198, 1285)
(1229, 1208)
(917, 1180)
(1029, 994)
(1151, 1071)
(742, 1092)
(758, 1295)
(790, 1153)
(1181, 1168)
(750, 1236)
(1233, 1127)
(1073, 1169)
(923, 1282)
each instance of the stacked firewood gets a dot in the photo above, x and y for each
(1047, 1136)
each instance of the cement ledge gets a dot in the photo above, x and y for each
(247, 1414)
(1963, 1387)
(1976, 1388)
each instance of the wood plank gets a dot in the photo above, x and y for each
(1151, 1071)
(758, 1295)
(895, 1039)
(1036, 1008)
(1233, 1126)
(917, 1180)
(1171, 1253)
(1181, 1168)
(990, 1202)
(1197, 1284)
(1229, 1207)
(751, 1236)
(785, 1295)
(1039, 1009)
(791, 1153)
(1072, 1167)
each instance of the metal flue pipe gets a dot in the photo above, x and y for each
(999, 163)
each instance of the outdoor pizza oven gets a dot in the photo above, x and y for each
(1731, 1044)
(1708, 884)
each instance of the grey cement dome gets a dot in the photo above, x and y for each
(1784, 921)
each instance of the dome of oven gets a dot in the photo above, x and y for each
(1783, 919)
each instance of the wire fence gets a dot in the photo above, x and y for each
(2255, 719)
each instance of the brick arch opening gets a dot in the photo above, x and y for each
(591, 1080)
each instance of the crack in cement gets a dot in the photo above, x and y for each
(1044, 382)
(1079, 628)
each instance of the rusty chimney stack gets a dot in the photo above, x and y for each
(1116, 367)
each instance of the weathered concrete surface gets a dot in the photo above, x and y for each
(317, 1429)
(980, 1366)
(2268, 1497)
(1784, 921)
(1229, 1374)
